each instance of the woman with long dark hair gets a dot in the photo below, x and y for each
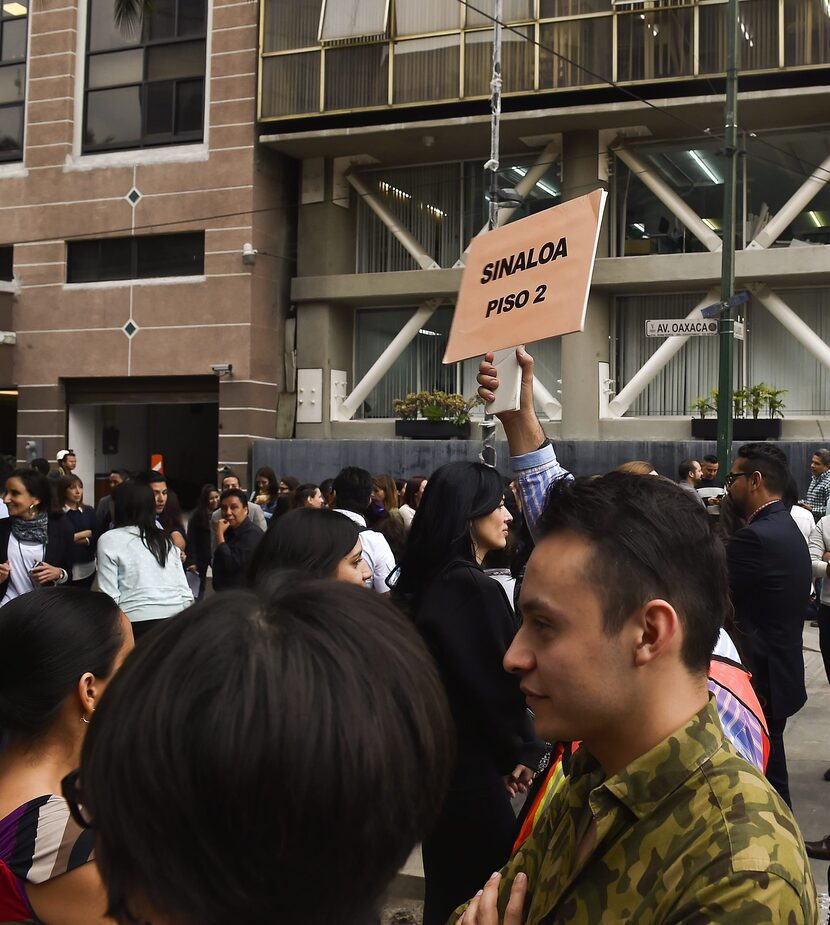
(412, 494)
(322, 543)
(467, 623)
(36, 540)
(307, 495)
(138, 565)
(199, 534)
(59, 647)
(266, 489)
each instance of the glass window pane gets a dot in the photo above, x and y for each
(351, 19)
(550, 8)
(806, 32)
(583, 53)
(414, 17)
(11, 130)
(113, 118)
(159, 108)
(183, 59)
(103, 33)
(120, 67)
(512, 11)
(427, 69)
(190, 105)
(7, 262)
(14, 40)
(516, 61)
(654, 44)
(116, 258)
(357, 76)
(192, 17)
(291, 24)
(291, 84)
(758, 36)
(12, 83)
(171, 255)
(161, 23)
(93, 261)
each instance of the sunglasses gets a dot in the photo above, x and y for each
(734, 476)
(71, 790)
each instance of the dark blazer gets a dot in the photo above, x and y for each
(60, 544)
(231, 558)
(769, 576)
(468, 624)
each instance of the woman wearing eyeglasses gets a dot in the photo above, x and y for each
(59, 647)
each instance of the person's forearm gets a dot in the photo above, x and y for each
(523, 432)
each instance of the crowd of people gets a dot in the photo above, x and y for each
(255, 712)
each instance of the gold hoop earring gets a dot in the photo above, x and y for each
(84, 720)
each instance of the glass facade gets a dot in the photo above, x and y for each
(14, 22)
(408, 52)
(145, 86)
(140, 257)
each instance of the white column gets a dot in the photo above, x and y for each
(415, 248)
(384, 362)
(799, 329)
(655, 363)
(677, 206)
(800, 199)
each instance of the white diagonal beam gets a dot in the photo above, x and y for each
(406, 238)
(770, 233)
(551, 407)
(658, 361)
(800, 330)
(384, 362)
(677, 206)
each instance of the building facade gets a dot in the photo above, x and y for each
(137, 318)
(385, 106)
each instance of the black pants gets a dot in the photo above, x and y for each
(473, 838)
(143, 628)
(824, 636)
(777, 773)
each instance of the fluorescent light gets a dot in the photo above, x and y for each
(640, 227)
(428, 333)
(543, 184)
(705, 167)
(388, 188)
(816, 219)
(15, 9)
(712, 223)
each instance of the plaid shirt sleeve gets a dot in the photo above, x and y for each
(818, 494)
(535, 473)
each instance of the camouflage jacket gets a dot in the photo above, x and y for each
(688, 833)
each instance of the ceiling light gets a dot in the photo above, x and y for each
(429, 333)
(816, 219)
(705, 167)
(712, 223)
(433, 210)
(15, 9)
(388, 188)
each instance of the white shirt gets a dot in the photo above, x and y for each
(803, 520)
(22, 559)
(132, 577)
(377, 553)
(725, 647)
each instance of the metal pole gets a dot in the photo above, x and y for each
(727, 290)
(488, 426)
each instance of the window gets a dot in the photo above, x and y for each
(427, 69)
(758, 36)
(144, 257)
(6, 263)
(13, 26)
(354, 19)
(146, 86)
(575, 53)
(654, 44)
(291, 24)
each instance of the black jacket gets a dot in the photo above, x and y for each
(60, 544)
(468, 625)
(769, 576)
(231, 558)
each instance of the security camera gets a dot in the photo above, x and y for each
(222, 369)
(248, 253)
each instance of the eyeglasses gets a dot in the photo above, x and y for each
(734, 476)
(71, 790)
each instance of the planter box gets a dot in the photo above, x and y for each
(747, 429)
(432, 430)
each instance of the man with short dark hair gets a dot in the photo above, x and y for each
(769, 575)
(818, 492)
(236, 540)
(709, 472)
(351, 495)
(103, 514)
(660, 820)
(689, 474)
(231, 480)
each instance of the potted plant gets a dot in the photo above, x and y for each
(757, 412)
(433, 415)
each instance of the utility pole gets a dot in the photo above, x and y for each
(727, 287)
(488, 426)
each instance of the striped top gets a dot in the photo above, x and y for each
(38, 842)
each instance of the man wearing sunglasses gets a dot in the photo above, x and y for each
(769, 577)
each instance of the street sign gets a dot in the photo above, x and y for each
(713, 310)
(739, 330)
(681, 327)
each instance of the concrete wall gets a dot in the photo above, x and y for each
(315, 460)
